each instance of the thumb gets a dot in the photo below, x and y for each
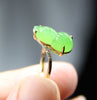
(35, 88)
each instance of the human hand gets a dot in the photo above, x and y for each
(26, 84)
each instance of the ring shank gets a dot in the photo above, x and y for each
(45, 51)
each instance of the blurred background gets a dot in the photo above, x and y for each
(77, 17)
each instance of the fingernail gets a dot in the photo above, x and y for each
(36, 88)
(58, 97)
(14, 94)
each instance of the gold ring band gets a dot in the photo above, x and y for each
(46, 70)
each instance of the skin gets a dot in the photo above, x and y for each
(25, 83)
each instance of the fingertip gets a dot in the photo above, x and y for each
(36, 88)
(65, 76)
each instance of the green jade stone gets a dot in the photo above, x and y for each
(56, 40)
(45, 34)
(63, 39)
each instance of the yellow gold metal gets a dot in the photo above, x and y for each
(46, 70)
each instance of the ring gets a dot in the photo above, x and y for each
(46, 70)
(59, 43)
